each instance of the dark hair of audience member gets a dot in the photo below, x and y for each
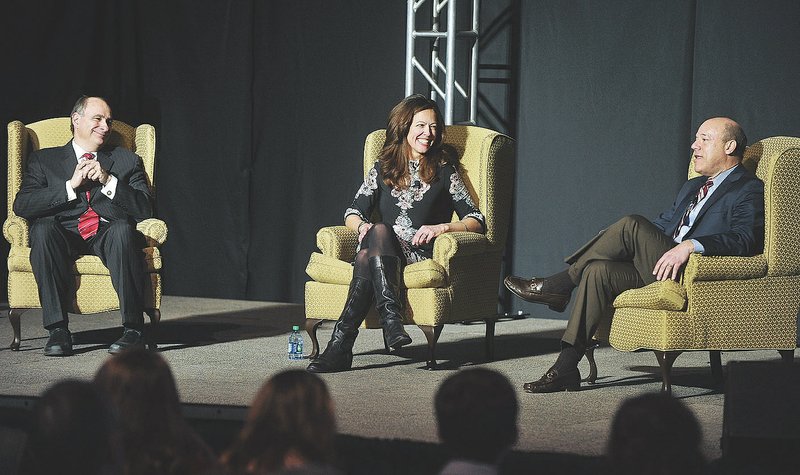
(156, 437)
(70, 433)
(290, 424)
(655, 434)
(476, 413)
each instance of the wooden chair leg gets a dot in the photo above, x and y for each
(432, 334)
(715, 357)
(312, 325)
(155, 319)
(589, 353)
(14, 315)
(665, 361)
(787, 356)
(490, 322)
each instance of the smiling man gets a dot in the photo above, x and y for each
(718, 213)
(84, 198)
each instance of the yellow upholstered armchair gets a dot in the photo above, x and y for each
(93, 282)
(461, 281)
(725, 302)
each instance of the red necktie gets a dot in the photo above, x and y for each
(701, 193)
(89, 220)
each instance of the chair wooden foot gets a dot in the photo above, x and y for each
(432, 334)
(490, 323)
(589, 353)
(715, 358)
(787, 356)
(665, 361)
(312, 325)
(14, 315)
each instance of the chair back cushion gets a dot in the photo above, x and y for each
(486, 166)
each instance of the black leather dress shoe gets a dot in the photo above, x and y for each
(553, 382)
(531, 291)
(59, 343)
(131, 338)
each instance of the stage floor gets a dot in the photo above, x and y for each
(221, 351)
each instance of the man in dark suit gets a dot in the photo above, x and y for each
(719, 213)
(85, 199)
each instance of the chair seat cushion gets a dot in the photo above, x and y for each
(19, 261)
(663, 295)
(420, 275)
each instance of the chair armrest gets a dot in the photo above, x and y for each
(338, 242)
(660, 295)
(706, 268)
(154, 230)
(462, 243)
(15, 229)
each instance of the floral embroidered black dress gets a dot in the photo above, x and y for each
(422, 203)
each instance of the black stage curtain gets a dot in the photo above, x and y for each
(261, 109)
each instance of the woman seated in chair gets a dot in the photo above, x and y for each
(414, 187)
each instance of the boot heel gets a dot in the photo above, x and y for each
(398, 341)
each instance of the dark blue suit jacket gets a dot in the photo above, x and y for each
(731, 223)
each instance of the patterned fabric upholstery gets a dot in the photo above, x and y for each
(731, 303)
(667, 295)
(94, 290)
(460, 282)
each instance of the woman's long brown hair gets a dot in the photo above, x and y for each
(396, 150)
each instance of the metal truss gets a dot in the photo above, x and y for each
(440, 74)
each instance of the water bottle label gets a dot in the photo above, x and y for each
(295, 348)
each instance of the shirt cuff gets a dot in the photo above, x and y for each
(110, 188)
(698, 248)
(71, 195)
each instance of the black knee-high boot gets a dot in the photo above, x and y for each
(386, 276)
(338, 355)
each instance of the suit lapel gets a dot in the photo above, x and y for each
(684, 204)
(720, 192)
(69, 161)
(105, 160)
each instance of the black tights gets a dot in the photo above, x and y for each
(380, 240)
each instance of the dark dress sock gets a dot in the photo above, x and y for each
(53, 326)
(560, 283)
(568, 358)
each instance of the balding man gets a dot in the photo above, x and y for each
(86, 198)
(720, 213)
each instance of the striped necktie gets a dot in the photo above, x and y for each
(89, 220)
(701, 194)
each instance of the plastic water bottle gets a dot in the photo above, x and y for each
(295, 344)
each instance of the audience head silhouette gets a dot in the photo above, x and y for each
(157, 440)
(655, 434)
(476, 413)
(70, 433)
(290, 426)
